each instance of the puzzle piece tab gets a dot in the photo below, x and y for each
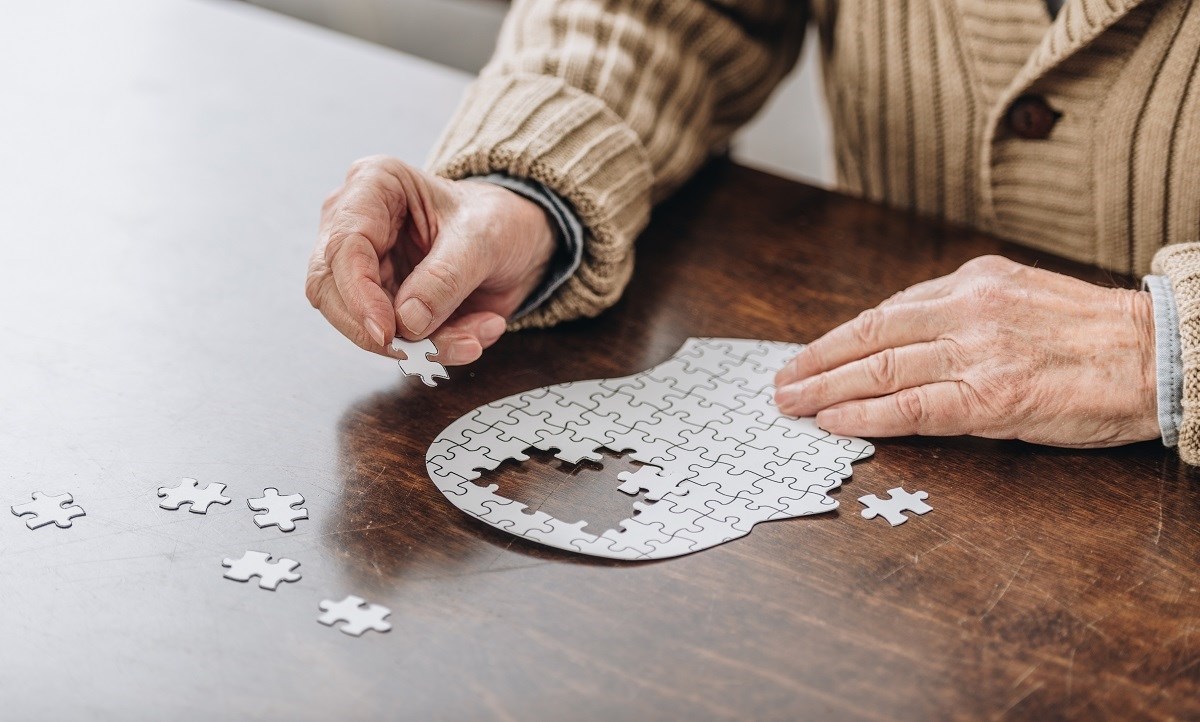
(189, 492)
(418, 363)
(258, 564)
(357, 615)
(278, 509)
(893, 509)
(46, 509)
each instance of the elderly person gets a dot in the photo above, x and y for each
(1069, 127)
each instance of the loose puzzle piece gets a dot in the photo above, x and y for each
(357, 615)
(417, 362)
(279, 511)
(258, 564)
(893, 509)
(719, 457)
(189, 492)
(46, 509)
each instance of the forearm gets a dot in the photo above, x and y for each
(611, 106)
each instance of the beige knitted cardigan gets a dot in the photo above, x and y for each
(614, 103)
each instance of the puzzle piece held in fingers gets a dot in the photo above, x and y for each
(417, 362)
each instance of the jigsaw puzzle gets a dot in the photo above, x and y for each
(259, 564)
(191, 493)
(46, 509)
(893, 509)
(278, 509)
(724, 458)
(357, 615)
(417, 362)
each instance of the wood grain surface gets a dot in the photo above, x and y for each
(160, 206)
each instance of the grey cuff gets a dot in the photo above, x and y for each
(568, 257)
(1168, 357)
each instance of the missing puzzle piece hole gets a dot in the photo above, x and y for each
(569, 492)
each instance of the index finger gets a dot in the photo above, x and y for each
(358, 227)
(868, 333)
(355, 268)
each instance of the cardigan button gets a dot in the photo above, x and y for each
(1031, 117)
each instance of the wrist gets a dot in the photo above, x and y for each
(535, 224)
(1141, 316)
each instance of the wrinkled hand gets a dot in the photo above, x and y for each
(995, 349)
(405, 252)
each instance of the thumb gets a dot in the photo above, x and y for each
(438, 285)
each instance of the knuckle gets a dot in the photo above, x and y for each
(447, 281)
(912, 407)
(1006, 390)
(986, 265)
(315, 287)
(365, 163)
(988, 293)
(868, 326)
(882, 368)
(338, 243)
(811, 358)
(334, 244)
(818, 387)
(331, 199)
(314, 281)
(952, 354)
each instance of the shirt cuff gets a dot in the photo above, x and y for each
(1168, 357)
(568, 257)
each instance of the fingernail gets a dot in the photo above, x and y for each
(788, 399)
(415, 316)
(464, 350)
(784, 375)
(830, 418)
(375, 331)
(491, 329)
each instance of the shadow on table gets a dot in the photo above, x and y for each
(391, 522)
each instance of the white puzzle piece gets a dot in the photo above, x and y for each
(893, 509)
(417, 361)
(720, 457)
(357, 615)
(259, 564)
(277, 509)
(190, 492)
(46, 509)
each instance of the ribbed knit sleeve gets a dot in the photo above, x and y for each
(1180, 262)
(612, 104)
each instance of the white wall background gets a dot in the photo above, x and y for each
(790, 137)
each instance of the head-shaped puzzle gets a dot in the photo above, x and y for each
(720, 457)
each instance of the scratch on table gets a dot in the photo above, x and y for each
(1024, 676)
(1006, 586)
(1153, 576)
(1161, 483)
(1012, 705)
(1071, 672)
(475, 572)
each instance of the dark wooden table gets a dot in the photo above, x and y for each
(159, 182)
